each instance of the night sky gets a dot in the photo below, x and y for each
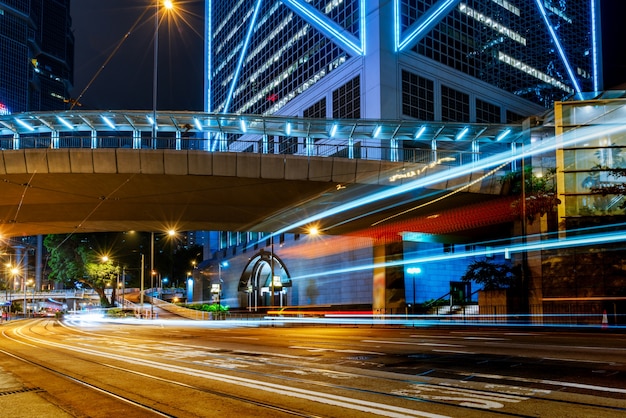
(126, 81)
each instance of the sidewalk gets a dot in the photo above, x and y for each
(20, 401)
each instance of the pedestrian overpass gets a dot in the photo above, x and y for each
(90, 171)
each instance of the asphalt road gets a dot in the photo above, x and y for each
(138, 368)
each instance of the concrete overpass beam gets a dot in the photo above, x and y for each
(200, 163)
(297, 168)
(152, 162)
(368, 171)
(36, 161)
(128, 161)
(273, 166)
(59, 161)
(105, 161)
(81, 161)
(320, 169)
(225, 164)
(248, 165)
(175, 163)
(15, 162)
(344, 171)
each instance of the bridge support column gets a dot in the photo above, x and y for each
(388, 287)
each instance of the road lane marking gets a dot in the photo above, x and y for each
(609, 363)
(453, 351)
(551, 382)
(317, 372)
(411, 343)
(333, 350)
(242, 338)
(463, 397)
(487, 338)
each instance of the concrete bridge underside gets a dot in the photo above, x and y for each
(85, 190)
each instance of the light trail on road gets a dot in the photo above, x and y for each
(308, 372)
(548, 144)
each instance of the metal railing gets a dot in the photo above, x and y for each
(339, 149)
(446, 143)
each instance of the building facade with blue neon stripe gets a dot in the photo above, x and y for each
(492, 61)
(472, 61)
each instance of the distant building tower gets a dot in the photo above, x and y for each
(487, 61)
(36, 55)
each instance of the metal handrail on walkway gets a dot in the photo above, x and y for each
(387, 140)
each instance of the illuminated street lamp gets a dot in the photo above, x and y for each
(31, 282)
(15, 271)
(413, 271)
(221, 265)
(189, 287)
(168, 4)
(170, 233)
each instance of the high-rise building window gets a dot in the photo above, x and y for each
(454, 105)
(487, 112)
(287, 145)
(507, 45)
(512, 117)
(418, 97)
(318, 110)
(347, 100)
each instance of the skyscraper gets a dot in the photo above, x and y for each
(487, 61)
(36, 55)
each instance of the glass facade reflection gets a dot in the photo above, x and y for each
(587, 165)
(36, 55)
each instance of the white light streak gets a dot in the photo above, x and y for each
(24, 124)
(108, 122)
(547, 145)
(64, 122)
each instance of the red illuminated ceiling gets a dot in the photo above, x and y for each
(450, 221)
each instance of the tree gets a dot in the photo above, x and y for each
(73, 260)
(539, 193)
(76, 259)
(492, 276)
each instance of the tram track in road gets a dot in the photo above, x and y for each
(120, 396)
(88, 385)
(334, 402)
(128, 400)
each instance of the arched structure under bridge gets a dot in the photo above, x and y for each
(264, 275)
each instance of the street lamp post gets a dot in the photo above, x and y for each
(413, 271)
(152, 270)
(24, 290)
(31, 281)
(141, 290)
(155, 72)
(219, 277)
(168, 5)
(272, 269)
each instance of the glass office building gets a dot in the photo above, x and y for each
(486, 61)
(36, 55)
(452, 61)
